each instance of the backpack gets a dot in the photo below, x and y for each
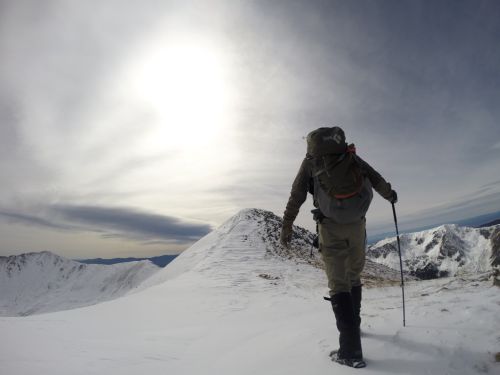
(339, 175)
(324, 141)
(341, 190)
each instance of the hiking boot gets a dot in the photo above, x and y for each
(355, 363)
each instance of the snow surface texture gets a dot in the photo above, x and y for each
(228, 305)
(269, 225)
(448, 250)
(44, 282)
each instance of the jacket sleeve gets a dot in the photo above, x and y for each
(380, 185)
(298, 195)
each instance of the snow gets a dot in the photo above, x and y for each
(44, 282)
(451, 249)
(231, 305)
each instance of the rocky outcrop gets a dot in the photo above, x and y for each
(444, 251)
(495, 247)
(301, 248)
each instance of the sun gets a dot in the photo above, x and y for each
(185, 84)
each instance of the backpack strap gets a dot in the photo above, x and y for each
(325, 169)
(351, 150)
(344, 196)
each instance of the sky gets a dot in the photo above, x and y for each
(135, 128)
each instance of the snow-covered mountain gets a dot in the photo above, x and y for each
(44, 282)
(235, 303)
(160, 261)
(447, 250)
(248, 244)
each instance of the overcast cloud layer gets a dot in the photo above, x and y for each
(92, 161)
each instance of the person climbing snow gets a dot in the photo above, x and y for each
(341, 183)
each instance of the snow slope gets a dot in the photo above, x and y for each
(45, 282)
(252, 237)
(447, 250)
(233, 305)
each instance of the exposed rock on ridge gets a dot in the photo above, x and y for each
(270, 225)
(447, 250)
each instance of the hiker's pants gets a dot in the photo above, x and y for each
(343, 250)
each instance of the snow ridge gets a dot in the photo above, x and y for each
(244, 252)
(42, 282)
(248, 244)
(232, 294)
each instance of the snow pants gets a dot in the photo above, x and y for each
(343, 250)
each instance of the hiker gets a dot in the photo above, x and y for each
(341, 183)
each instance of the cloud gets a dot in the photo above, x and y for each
(484, 202)
(411, 86)
(491, 185)
(27, 219)
(113, 222)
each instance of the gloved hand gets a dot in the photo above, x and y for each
(317, 215)
(286, 234)
(394, 197)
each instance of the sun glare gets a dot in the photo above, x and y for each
(185, 85)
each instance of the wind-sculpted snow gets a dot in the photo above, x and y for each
(245, 253)
(447, 250)
(44, 282)
(247, 246)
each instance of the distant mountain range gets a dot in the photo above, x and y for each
(447, 250)
(481, 221)
(234, 293)
(45, 282)
(160, 261)
(244, 248)
(491, 223)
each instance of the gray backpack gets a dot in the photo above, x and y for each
(341, 190)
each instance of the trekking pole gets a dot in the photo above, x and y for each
(400, 263)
